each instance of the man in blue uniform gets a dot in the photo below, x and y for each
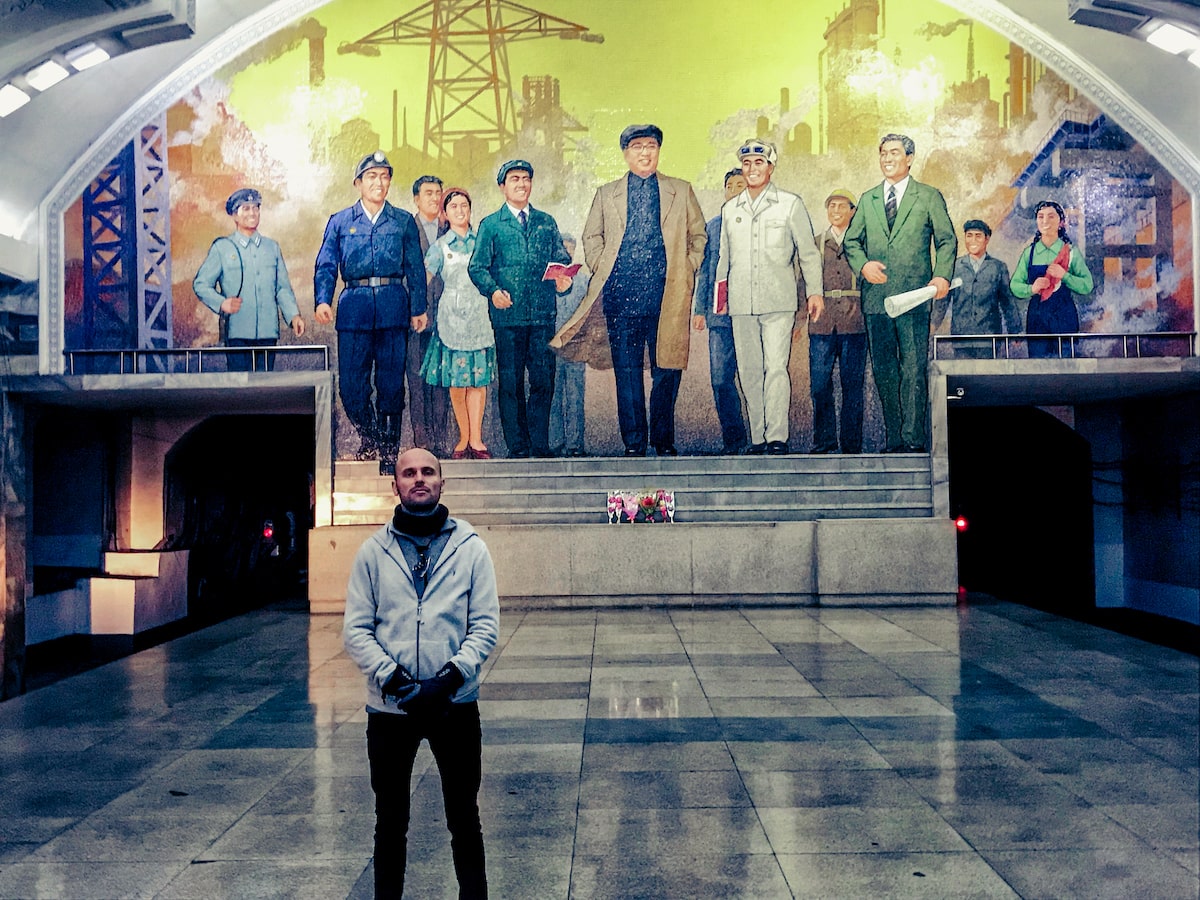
(377, 251)
(244, 279)
(722, 359)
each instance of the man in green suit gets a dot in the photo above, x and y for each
(888, 244)
(512, 249)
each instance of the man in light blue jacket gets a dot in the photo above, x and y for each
(244, 279)
(422, 616)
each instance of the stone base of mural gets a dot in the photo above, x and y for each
(844, 562)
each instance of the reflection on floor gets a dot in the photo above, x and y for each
(989, 751)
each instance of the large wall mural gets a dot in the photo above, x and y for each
(995, 131)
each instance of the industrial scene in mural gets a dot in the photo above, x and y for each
(995, 131)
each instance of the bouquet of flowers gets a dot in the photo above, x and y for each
(641, 506)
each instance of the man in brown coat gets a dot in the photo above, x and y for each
(643, 240)
(839, 336)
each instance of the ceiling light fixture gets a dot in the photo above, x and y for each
(86, 55)
(1173, 39)
(12, 98)
(46, 75)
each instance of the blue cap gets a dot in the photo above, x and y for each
(517, 164)
(374, 160)
(240, 198)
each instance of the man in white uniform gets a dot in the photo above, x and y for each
(766, 240)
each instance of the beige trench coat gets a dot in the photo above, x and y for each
(584, 338)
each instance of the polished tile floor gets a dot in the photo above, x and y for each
(988, 751)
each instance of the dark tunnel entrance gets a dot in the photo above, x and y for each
(239, 496)
(1023, 480)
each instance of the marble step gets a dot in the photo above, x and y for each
(707, 489)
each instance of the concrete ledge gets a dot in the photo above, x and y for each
(899, 557)
(827, 562)
(860, 600)
(673, 601)
(131, 605)
(132, 563)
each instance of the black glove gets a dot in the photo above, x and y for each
(434, 693)
(401, 687)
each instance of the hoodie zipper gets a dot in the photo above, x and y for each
(453, 549)
(421, 599)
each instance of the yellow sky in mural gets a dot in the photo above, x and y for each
(683, 64)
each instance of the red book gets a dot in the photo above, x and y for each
(721, 298)
(1063, 259)
(554, 270)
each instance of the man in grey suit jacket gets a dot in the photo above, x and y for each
(888, 245)
(428, 405)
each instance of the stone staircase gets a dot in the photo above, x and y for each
(710, 489)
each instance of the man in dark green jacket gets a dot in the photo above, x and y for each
(888, 244)
(512, 250)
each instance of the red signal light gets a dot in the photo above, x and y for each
(960, 522)
(268, 530)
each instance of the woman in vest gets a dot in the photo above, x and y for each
(1049, 274)
(462, 353)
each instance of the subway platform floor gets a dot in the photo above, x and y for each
(991, 750)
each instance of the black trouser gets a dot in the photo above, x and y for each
(522, 349)
(456, 741)
(849, 351)
(360, 354)
(629, 338)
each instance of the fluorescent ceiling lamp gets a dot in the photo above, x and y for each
(1173, 39)
(1194, 59)
(46, 75)
(11, 99)
(85, 56)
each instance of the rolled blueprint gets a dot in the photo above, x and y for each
(899, 304)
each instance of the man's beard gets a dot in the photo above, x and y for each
(420, 507)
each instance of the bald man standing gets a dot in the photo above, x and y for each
(422, 616)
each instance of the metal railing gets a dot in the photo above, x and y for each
(198, 360)
(1066, 346)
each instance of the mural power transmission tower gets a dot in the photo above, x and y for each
(127, 248)
(469, 91)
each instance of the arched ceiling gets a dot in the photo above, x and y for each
(44, 141)
(63, 135)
